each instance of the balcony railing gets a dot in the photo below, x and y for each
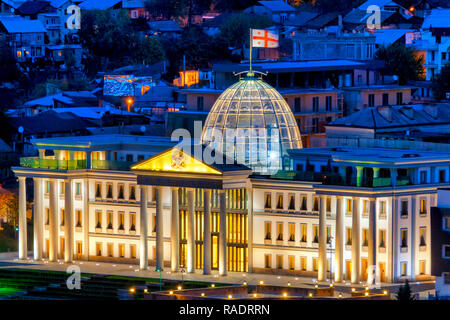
(36, 162)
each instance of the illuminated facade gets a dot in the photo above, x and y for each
(251, 122)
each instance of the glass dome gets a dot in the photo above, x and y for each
(251, 123)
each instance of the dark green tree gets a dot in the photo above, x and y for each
(8, 64)
(441, 83)
(401, 61)
(166, 9)
(235, 32)
(404, 292)
(149, 51)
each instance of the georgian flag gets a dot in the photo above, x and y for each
(264, 39)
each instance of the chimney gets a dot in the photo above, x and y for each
(385, 112)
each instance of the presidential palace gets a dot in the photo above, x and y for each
(339, 213)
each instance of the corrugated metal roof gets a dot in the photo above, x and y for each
(439, 18)
(98, 4)
(277, 6)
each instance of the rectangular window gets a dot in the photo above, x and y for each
(291, 260)
(154, 222)
(422, 266)
(303, 263)
(328, 205)
(132, 221)
(109, 191)
(422, 236)
(98, 219)
(365, 208)
(291, 202)
(404, 238)
(63, 187)
(349, 206)
(78, 189)
(133, 251)
(304, 234)
(423, 177)
(423, 206)
(98, 190)
(348, 241)
(268, 260)
(315, 264)
(446, 251)
(315, 125)
(98, 249)
(62, 217)
(315, 233)
(268, 201)
(404, 210)
(268, 230)
(385, 99)
(291, 231)
(279, 231)
(279, 261)
(442, 176)
(328, 103)
(78, 218)
(297, 104)
(132, 196)
(109, 223)
(47, 216)
(121, 250)
(200, 103)
(328, 234)
(382, 209)
(371, 100)
(316, 204)
(280, 202)
(110, 249)
(365, 241)
(121, 220)
(47, 187)
(315, 104)
(382, 238)
(304, 202)
(399, 98)
(446, 223)
(120, 194)
(403, 269)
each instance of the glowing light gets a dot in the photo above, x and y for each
(284, 294)
(366, 294)
(412, 9)
(170, 292)
(179, 287)
(316, 286)
(331, 285)
(367, 289)
(310, 295)
(385, 292)
(146, 290)
(245, 283)
(254, 295)
(203, 294)
(230, 296)
(212, 285)
(289, 284)
(353, 289)
(340, 295)
(261, 282)
(132, 290)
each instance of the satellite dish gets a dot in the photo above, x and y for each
(20, 129)
(143, 128)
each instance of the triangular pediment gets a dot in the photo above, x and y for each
(175, 160)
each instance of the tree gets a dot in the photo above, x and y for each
(8, 64)
(235, 32)
(12, 209)
(149, 51)
(404, 292)
(441, 83)
(233, 5)
(401, 61)
(110, 40)
(166, 9)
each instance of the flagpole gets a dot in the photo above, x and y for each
(251, 45)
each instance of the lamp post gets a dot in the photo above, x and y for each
(129, 103)
(160, 279)
(331, 256)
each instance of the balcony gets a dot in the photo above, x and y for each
(36, 162)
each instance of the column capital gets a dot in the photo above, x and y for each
(372, 199)
(340, 197)
(222, 191)
(21, 178)
(174, 188)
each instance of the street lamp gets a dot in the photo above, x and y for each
(129, 103)
(160, 279)
(331, 255)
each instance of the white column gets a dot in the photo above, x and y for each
(53, 222)
(339, 240)
(207, 231)
(223, 234)
(250, 228)
(356, 245)
(372, 243)
(22, 218)
(68, 221)
(392, 241)
(86, 219)
(143, 243)
(88, 159)
(159, 230)
(38, 221)
(175, 232)
(190, 232)
(412, 235)
(322, 274)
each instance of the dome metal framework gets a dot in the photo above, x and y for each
(252, 123)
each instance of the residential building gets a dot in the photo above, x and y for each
(277, 11)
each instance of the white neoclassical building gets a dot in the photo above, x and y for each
(340, 213)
